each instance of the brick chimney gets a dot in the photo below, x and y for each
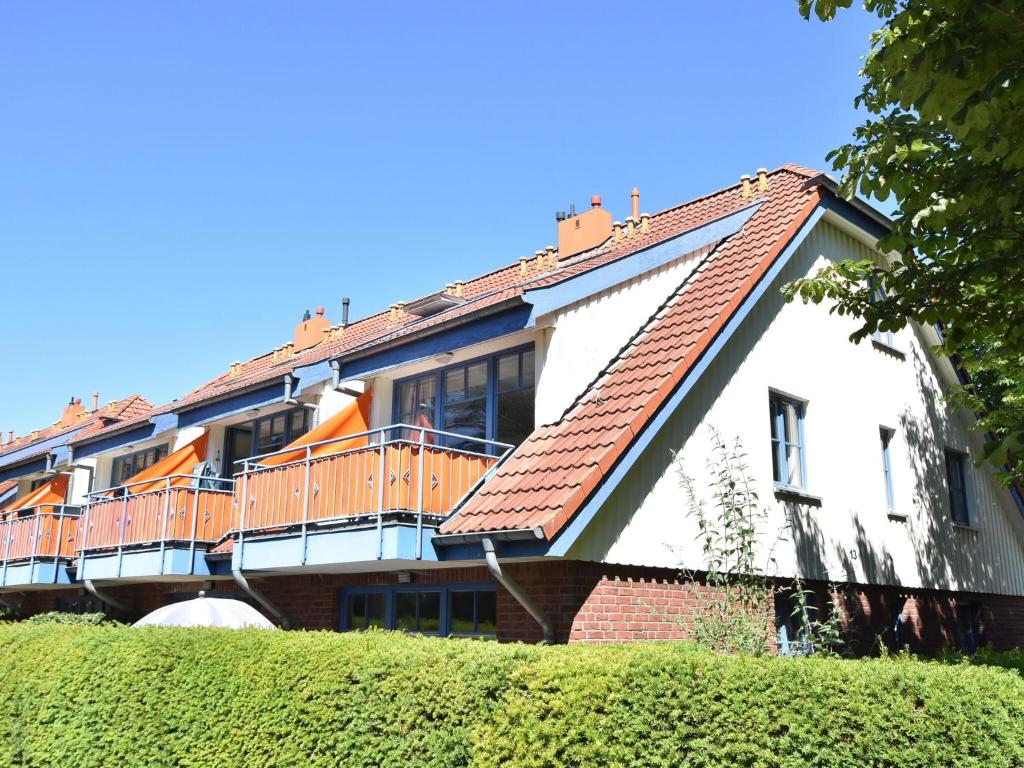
(310, 331)
(71, 412)
(581, 232)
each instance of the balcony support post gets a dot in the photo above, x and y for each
(305, 503)
(60, 543)
(35, 546)
(380, 498)
(83, 531)
(7, 549)
(419, 498)
(120, 533)
(195, 524)
(243, 505)
(167, 513)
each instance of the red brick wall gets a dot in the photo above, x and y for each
(595, 603)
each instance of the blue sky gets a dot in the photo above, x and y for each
(179, 181)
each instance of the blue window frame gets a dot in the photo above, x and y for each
(462, 610)
(490, 397)
(789, 469)
(124, 468)
(956, 479)
(263, 435)
(886, 436)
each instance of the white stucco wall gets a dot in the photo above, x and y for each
(850, 391)
(579, 340)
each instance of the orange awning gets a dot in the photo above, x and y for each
(353, 419)
(181, 462)
(52, 492)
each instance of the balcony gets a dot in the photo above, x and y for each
(38, 545)
(153, 528)
(375, 495)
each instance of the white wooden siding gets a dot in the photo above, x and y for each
(851, 390)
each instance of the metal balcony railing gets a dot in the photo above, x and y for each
(185, 509)
(402, 470)
(45, 532)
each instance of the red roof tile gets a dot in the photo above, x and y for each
(127, 409)
(549, 477)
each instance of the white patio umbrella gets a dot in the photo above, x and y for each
(206, 612)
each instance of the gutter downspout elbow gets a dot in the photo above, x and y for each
(260, 598)
(513, 587)
(103, 596)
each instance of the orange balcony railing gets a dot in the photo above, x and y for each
(182, 509)
(45, 532)
(402, 470)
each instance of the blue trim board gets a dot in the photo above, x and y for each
(243, 401)
(332, 546)
(34, 449)
(138, 563)
(591, 282)
(112, 442)
(38, 573)
(11, 473)
(568, 535)
(482, 329)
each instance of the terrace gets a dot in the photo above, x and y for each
(371, 496)
(38, 545)
(153, 527)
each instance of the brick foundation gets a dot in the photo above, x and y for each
(595, 603)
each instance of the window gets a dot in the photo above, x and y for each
(265, 435)
(880, 336)
(126, 467)
(968, 627)
(886, 437)
(465, 610)
(515, 397)
(956, 479)
(367, 609)
(790, 623)
(472, 612)
(787, 428)
(491, 399)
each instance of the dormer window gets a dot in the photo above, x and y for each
(490, 398)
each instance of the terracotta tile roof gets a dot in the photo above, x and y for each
(549, 476)
(89, 423)
(480, 293)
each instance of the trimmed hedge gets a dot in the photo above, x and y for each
(99, 696)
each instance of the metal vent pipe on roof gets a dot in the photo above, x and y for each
(344, 311)
(635, 198)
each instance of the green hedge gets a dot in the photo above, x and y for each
(99, 696)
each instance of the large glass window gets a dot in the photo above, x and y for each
(465, 404)
(126, 467)
(515, 397)
(466, 610)
(491, 399)
(265, 435)
(367, 609)
(787, 428)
